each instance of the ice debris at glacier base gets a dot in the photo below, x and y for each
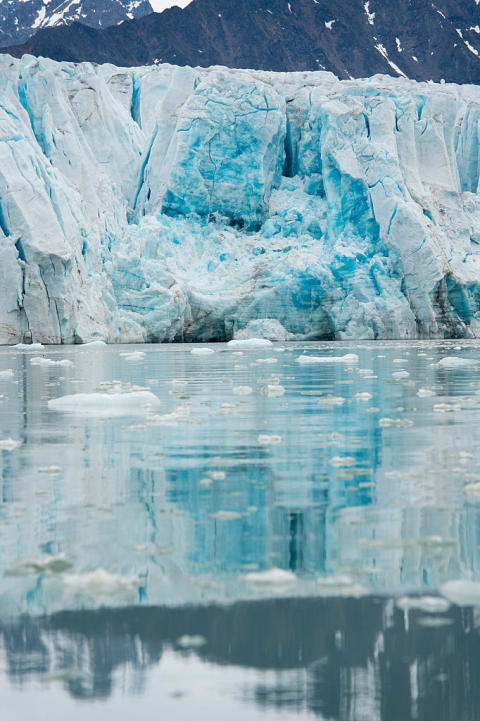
(165, 203)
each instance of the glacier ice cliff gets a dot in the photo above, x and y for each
(165, 203)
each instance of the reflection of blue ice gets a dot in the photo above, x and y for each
(190, 508)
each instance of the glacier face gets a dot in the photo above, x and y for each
(166, 203)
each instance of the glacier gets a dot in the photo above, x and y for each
(168, 203)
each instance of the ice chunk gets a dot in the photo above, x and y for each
(99, 583)
(340, 585)
(398, 375)
(363, 396)
(58, 563)
(272, 577)
(202, 351)
(456, 362)
(428, 604)
(29, 346)
(242, 390)
(94, 344)
(226, 515)
(268, 440)
(191, 641)
(106, 405)
(349, 358)
(8, 444)
(7, 374)
(462, 592)
(425, 392)
(134, 356)
(46, 362)
(250, 343)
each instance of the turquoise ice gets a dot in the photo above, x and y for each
(163, 203)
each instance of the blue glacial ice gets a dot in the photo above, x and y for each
(165, 203)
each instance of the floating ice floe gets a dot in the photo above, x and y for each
(45, 362)
(50, 470)
(94, 344)
(191, 641)
(340, 585)
(8, 444)
(226, 515)
(456, 362)
(181, 413)
(427, 604)
(268, 440)
(425, 392)
(473, 488)
(342, 461)
(106, 404)
(58, 563)
(242, 390)
(250, 343)
(7, 374)
(99, 583)
(398, 375)
(331, 400)
(133, 356)
(28, 346)
(462, 592)
(273, 390)
(364, 396)
(349, 358)
(272, 577)
(202, 351)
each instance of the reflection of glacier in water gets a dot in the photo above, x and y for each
(356, 469)
(123, 526)
(360, 659)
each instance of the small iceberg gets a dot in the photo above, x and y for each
(272, 577)
(250, 343)
(462, 592)
(451, 361)
(105, 405)
(45, 362)
(349, 358)
(28, 346)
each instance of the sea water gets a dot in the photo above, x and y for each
(281, 531)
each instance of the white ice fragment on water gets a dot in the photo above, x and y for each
(202, 351)
(51, 470)
(446, 407)
(428, 604)
(400, 360)
(340, 585)
(134, 356)
(473, 488)
(462, 592)
(242, 390)
(456, 362)
(342, 461)
(267, 360)
(191, 641)
(268, 440)
(58, 563)
(217, 475)
(331, 400)
(180, 413)
(104, 405)
(5, 375)
(205, 482)
(365, 396)
(272, 577)
(399, 422)
(28, 346)
(94, 344)
(226, 515)
(99, 583)
(46, 362)
(273, 390)
(425, 392)
(8, 444)
(400, 374)
(349, 358)
(250, 343)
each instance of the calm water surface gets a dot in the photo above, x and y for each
(268, 539)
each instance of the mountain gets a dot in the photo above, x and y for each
(419, 38)
(20, 19)
(173, 203)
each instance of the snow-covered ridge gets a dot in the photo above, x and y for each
(166, 203)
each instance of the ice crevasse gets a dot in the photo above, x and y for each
(171, 203)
